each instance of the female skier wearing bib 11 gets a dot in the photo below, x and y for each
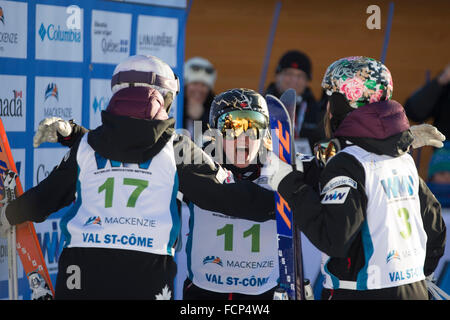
(378, 225)
(230, 258)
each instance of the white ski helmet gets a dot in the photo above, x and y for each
(146, 71)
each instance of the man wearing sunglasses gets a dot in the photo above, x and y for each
(199, 80)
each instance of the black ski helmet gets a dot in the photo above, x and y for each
(237, 99)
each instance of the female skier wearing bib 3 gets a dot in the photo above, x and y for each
(230, 258)
(124, 178)
(376, 222)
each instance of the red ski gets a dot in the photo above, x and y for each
(27, 243)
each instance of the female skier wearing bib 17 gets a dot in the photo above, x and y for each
(378, 225)
(230, 258)
(124, 178)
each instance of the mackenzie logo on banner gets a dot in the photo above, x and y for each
(157, 36)
(110, 36)
(54, 40)
(13, 29)
(13, 102)
(57, 97)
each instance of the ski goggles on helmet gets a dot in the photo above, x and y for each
(197, 68)
(234, 123)
(325, 151)
(151, 78)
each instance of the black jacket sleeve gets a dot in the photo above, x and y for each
(201, 184)
(434, 226)
(331, 227)
(53, 193)
(77, 132)
(422, 103)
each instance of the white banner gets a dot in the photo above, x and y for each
(110, 36)
(54, 39)
(13, 102)
(158, 36)
(57, 97)
(100, 95)
(13, 29)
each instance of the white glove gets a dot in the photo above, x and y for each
(5, 226)
(280, 170)
(48, 129)
(426, 135)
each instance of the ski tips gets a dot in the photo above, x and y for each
(289, 98)
(270, 97)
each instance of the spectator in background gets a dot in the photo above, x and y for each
(439, 175)
(294, 71)
(199, 78)
(432, 100)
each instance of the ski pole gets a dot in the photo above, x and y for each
(387, 34)
(273, 29)
(9, 183)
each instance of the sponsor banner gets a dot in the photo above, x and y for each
(165, 3)
(110, 36)
(57, 97)
(13, 29)
(45, 160)
(54, 39)
(13, 102)
(100, 95)
(158, 36)
(19, 159)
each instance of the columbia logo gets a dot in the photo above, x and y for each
(96, 105)
(42, 32)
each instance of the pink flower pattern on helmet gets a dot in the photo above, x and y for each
(361, 80)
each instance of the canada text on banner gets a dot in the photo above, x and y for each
(13, 102)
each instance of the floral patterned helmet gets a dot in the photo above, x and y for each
(361, 80)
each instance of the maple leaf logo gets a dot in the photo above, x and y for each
(166, 294)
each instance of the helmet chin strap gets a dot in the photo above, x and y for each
(168, 99)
